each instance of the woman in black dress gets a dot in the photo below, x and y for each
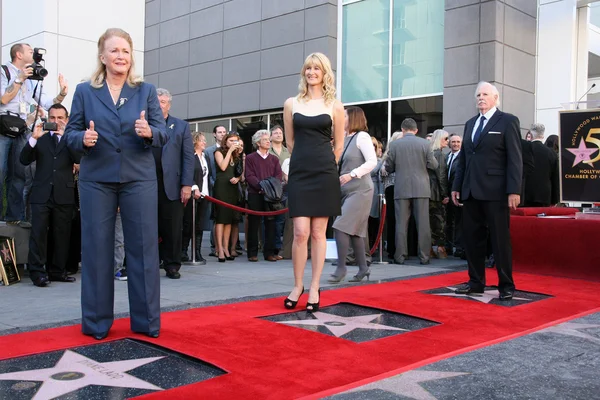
(314, 194)
(226, 190)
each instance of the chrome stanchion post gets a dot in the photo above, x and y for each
(381, 221)
(193, 262)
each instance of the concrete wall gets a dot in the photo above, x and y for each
(235, 56)
(491, 41)
(69, 31)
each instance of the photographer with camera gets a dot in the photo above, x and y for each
(20, 90)
(52, 197)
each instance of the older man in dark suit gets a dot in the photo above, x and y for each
(488, 183)
(543, 183)
(453, 213)
(175, 173)
(409, 158)
(52, 199)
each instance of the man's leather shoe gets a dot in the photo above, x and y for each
(153, 334)
(271, 258)
(253, 259)
(505, 296)
(424, 262)
(62, 278)
(466, 289)
(173, 274)
(41, 281)
(98, 336)
(399, 262)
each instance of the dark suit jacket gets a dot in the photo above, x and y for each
(177, 158)
(120, 155)
(54, 169)
(199, 175)
(452, 172)
(528, 166)
(542, 183)
(210, 155)
(492, 168)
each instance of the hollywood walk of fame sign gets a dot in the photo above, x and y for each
(8, 264)
(353, 322)
(579, 158)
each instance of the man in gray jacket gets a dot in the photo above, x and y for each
(409, 158)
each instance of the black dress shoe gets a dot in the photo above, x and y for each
(41, 281)
(173, 274)
(505, 296)
(153, 334)
(466, 289)
(98, 336)
(398, 262)
(62, 278)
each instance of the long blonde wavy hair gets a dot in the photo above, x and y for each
(320, 60)
(436, 139)
(99, 75)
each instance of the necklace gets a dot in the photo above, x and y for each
(114, 89)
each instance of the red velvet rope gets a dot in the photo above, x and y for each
(381, 223)
(245, 210)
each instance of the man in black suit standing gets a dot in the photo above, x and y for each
(488, 183)
(542, 185)
(52, 199)
(175, 173)
(454, 213)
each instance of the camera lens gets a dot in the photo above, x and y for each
(40, 71)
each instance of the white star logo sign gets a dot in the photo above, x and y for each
(340, 326)
(74, 371)
(573, 329)
(485, 297)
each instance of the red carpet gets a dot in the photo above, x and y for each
(269, 360)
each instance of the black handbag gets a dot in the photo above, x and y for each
(238, 169)
(11, 125)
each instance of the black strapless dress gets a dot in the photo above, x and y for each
(313, 183)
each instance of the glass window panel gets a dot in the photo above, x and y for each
(208, 126)
(276, 119)
(365, 50)
(595, 14)
(417, 47)
(426, 111)
(246, 127)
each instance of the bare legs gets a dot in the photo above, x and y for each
(303, 228)
(222, 234)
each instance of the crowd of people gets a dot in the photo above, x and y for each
(127, 176)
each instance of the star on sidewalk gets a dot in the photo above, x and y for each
(573, 329)
(582, 153)
(407, 384)
(74, 371)
(485, 297)
(340, 326)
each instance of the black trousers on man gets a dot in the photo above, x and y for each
(170, 221)
(257, 202)
(58, 218)
(478, 216)
(453, 227)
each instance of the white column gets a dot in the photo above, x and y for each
(562, 58)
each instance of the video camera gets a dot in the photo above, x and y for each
(39, 72)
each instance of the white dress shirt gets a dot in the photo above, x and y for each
(487, 116)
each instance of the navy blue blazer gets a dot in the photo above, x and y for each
(210, 155)
(120, 155)
(490, 169)
(177, 158)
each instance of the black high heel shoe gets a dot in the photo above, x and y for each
(221, 259)
(230, 258)
(291, 304)
(314, 307)
(360, 276)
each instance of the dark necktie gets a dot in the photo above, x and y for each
(54, 140)
(479, 129)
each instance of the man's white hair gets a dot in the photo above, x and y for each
(164, 92)
(538, 130)
(259, 135)
(493, 88)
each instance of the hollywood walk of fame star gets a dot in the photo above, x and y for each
(573, 329)
(340, 326)
(6, 253)
(485, 297)
(74, 371)
(582, 153)
(407, 384)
